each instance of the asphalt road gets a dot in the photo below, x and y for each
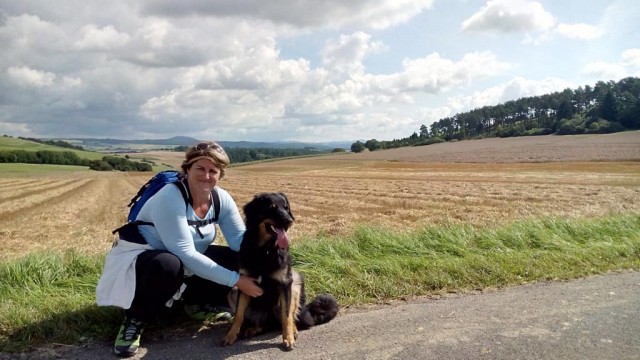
(592, 318)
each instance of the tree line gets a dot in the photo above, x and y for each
(107, 163)
(606, 107)
(58, 143)
(240, 155)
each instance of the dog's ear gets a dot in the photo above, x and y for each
(286, 200)
(252, 208)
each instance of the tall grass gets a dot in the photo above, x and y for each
(49, 298)
(377, 264)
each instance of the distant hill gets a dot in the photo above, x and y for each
(10, 143)
(116, 145)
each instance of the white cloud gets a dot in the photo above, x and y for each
(579, 31)
(373, 14)
(510, 16)
(434, 73)
(604, 70)
(513, 89)
(27, 34)
(262, 70)
(631, 57)
(628, 65)
(100, 39)
(25, 76)
(347, 53)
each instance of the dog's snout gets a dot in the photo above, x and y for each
(286, 215)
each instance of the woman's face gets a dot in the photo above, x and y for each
(203, 175)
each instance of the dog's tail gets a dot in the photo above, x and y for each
(319, 311)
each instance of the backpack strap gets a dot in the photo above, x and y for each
(182, 185)
(215, 199)
(184, 191)
(216, 204)
(186, 195)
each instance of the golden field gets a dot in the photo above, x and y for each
(400, 189)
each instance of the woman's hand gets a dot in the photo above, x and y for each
(249, 286)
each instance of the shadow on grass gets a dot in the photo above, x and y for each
(90, 333)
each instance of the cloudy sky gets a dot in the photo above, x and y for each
(306, 70)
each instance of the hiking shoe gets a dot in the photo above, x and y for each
(128, 340)
(207, 312)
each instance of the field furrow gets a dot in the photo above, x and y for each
(10, 183)
(328, 197)
(80, 218)
(419, 195)
(23, 206)
(31, 189)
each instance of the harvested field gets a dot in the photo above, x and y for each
(623, 146)
(332, 194)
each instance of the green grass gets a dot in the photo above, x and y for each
(9, 143)
(49, 298)
(378, 264)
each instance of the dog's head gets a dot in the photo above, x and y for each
(271, 214)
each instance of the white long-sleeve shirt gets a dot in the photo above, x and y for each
(166, 210)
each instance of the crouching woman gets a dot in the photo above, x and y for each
(168, 253)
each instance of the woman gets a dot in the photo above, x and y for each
(144, 275)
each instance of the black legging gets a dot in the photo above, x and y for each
(160, 273)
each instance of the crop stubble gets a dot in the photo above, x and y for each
(329, 196)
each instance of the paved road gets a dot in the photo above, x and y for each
(592, 318)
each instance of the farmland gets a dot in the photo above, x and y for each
(472, 182)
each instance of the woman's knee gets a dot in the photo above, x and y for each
(159, 263)
(168, 264)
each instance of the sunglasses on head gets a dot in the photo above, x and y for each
(202, 147)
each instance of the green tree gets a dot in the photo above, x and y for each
(357, 147)
(373, 145)
(424, 131)
(609, 108)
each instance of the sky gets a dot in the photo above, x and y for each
(303, 70)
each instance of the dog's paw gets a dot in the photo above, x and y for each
(252, 331)
(229, 340)
(288, 344)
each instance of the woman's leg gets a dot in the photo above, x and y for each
(159, 275)
(205, 292)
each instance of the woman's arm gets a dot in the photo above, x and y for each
(167, 211)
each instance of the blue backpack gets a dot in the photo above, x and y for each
(150, 188)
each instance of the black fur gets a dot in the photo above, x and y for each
(264, 255)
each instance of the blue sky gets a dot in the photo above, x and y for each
(304, 71)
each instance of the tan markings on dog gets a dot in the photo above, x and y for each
(280, 275)
(232, 298)
(296, 287)
(232, 335)
(264, 234)
(287, 317)
(296, 293)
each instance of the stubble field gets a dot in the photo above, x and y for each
(481, 182)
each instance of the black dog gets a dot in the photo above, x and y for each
(264, 255)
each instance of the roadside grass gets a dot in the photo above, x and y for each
(49, 299)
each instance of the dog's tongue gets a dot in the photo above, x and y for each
(283, 239)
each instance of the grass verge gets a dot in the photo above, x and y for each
(49, 298)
